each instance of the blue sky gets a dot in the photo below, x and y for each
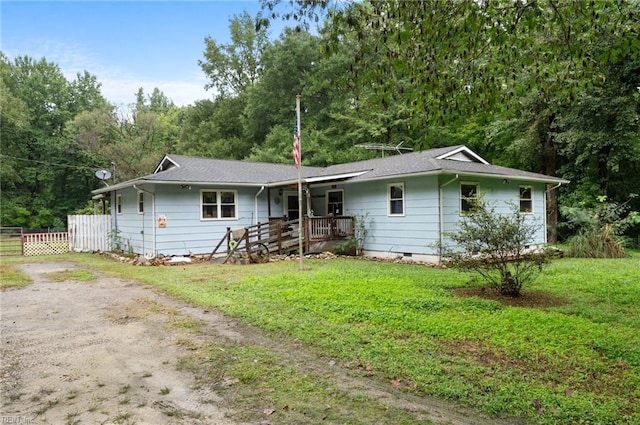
(125, 44)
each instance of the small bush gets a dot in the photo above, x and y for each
(347, 247)
(496, 247)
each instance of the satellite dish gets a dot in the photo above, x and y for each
(103, 174)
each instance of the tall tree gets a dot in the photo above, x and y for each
(233, 67)
(600, 138)
(129, 141)
(50, 180)
(214, 129)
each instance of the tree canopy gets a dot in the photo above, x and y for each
(542, 85)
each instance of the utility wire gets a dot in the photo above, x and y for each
(53, 164)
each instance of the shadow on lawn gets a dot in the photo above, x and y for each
(527, 298)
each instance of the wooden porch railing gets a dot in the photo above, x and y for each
(328, 228)
(279, 234)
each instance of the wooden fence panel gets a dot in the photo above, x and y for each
(89, 233)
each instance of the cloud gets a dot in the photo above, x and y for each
(118, 84)
(122, 91)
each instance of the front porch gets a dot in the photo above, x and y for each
(279, 235)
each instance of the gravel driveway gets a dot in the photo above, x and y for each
(98, 352)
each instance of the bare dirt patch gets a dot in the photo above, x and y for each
(101, 351)
(108, 351)
(527, 298)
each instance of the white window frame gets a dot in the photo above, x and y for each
(140, 202)
(390, 199)
(119, 203)
(218, 204)
(463, 198)
(341, 210)
(529, 199)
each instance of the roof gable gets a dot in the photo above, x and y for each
(165, 164)
(462, 153)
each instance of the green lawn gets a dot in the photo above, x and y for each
(572, 362)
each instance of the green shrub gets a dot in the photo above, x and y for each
(496, 247)
(347, 247)
(599, 230)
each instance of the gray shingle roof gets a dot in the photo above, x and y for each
(194, 170)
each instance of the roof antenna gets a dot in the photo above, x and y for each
(383, 148)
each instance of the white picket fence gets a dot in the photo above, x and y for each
(89, 233)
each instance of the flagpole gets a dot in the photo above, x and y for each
(300, 214)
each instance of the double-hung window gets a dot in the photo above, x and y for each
(526, 199)
(468, 197)
(218, 204)
(119, 203)
(395, 194)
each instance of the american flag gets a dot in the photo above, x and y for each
(296, 145)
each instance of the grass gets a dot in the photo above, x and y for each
(10, 244)
(74, 275)
(10, 277)
(572, 362)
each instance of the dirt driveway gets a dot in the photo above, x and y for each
(106, 351)
(78, 353)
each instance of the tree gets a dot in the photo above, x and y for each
(53, 178)
(288, 63)
(599, 138)
(496, 246)
(214, 129)
(233, 67)
(456, 59)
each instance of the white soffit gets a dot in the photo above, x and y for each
(334, 177)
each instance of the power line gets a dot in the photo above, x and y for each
(52, 164)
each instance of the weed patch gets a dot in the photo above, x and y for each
(11, 277)
(74, 275)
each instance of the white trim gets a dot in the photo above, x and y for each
(534, 179)
(326, 204)
(465, 150)
(531, 198)
(334, 177)
(160, 168)
(477, 195)
(140, 193)
(404, 200)
(218, 205)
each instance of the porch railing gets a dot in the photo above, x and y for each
(281, 234)
(328, 227)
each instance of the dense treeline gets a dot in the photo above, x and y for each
(551, 87)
